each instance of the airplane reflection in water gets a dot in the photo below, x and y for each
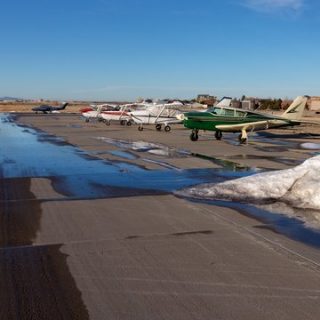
(228, 119)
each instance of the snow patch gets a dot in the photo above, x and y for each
(297, 187)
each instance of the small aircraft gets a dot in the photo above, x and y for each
(107, 113)
(158, 114)
(93, 111)
(228, 119)
(48, 109)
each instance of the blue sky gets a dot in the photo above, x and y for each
(124, 49)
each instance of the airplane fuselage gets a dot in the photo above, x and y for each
(233, 120)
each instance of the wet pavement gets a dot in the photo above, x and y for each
(44, 178)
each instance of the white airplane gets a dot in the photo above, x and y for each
(94, 111)
(158, 114)
(121, 115)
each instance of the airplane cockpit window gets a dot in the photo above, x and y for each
(229, 113)
(215, 110)
(241, 114)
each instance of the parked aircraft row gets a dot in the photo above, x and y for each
(161, 115)
(220, 118)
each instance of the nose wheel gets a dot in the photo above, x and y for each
(218, 135)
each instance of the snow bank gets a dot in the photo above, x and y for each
(298, 187)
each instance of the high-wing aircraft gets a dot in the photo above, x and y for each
(48, 109)
(227, 119)
(158, 114)
(107, 113)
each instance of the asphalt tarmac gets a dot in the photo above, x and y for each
(91, 227)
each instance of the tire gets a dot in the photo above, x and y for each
(87, 120)
(129, 123)
(194, 136)
(158, 127)
(107, 123)
(140, 128)
(123, 122)
(167, 128)
(218, 135)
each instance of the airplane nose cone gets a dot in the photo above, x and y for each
(180, 116)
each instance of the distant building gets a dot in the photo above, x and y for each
(314, 104)
(250, 103)
(206, 99)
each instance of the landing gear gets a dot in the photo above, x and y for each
(194, 135)
(243, 137)
(129, 123)
(106, 122)
(140, 128)
(87, 120)
(218, 135)
(123, 122)
(167, 128)
(158, 127)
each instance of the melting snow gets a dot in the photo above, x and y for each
(298, 187)
(310, 146)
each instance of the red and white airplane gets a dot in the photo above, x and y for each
(107, 113)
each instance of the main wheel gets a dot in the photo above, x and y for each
(87, 120)
(158, 127)
(194, 136)
(218, 135)
(123, 122)
(140, 128)
(167, 128)
(129, 123)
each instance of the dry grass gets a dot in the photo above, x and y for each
(27, 106)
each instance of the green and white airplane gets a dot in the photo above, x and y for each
(228, 119)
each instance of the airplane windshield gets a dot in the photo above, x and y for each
(227, 112)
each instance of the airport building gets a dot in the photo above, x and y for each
(314, 104)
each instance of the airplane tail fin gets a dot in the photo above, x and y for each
(63, 106)
(224, 102)
(295, 110)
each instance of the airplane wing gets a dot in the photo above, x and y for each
(244, 126)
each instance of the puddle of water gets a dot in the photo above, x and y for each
(77, 174)
(123, 154)
(283, 160)
(291, 227)
(226, 164)
(142, 146)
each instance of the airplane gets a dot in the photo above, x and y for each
(48, 109)
(228, 119)
(94, 111)
(158, 114)
(107, 113)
